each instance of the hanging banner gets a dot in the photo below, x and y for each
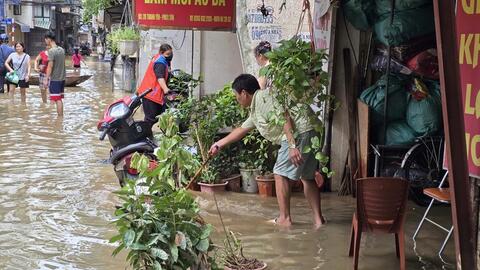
(186, 14)
(322, 26)
(468, 32)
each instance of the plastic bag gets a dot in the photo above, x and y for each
(374, 97)
(425, 64)
(359, 13)
(12, 77)
(380, 61)
(400, 133)
(425, 116)
(384, 7)
(407, 24)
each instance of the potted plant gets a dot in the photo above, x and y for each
(265, 154)
(226, 164)
(208, 117)
(300, 83)
(158, 222)
(250, 163)
(233, 257)
(229, 114)
(124, 40)
(210, 182)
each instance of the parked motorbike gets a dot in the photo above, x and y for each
(85, 50)
(126, 135)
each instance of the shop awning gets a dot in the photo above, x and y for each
(24, 28)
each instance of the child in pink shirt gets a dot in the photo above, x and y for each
(77, 59)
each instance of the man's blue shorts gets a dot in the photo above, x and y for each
(56, 88)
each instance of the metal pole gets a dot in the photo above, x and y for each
(389, 56)
(452, 109)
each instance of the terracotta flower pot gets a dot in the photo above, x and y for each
(266, 185)
(260, 268)
(212, 188)
(195, 186)
(234, 183)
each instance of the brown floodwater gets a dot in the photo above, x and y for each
(56, 200)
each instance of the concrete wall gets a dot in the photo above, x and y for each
(220, 60)
(213, 55)
(253, 27)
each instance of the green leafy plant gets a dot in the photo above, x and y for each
(122, 33)
(159, 221)
(92, 7)
(227, 110)
(164, 231)
(209, 176)
(257, 153)
(299, 82)
(207, 117)
(183, 83)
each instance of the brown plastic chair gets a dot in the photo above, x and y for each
(381, 204)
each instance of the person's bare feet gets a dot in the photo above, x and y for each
(320, 223)
(281, 222)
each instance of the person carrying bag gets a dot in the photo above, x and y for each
(18, 65)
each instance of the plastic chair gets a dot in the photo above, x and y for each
(441, 195)
(381, 204)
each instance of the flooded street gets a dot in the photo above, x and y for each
(56, 200)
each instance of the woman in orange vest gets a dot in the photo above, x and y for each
(156, 78)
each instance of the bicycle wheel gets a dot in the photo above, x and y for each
(422, 167)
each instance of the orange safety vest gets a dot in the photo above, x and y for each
(150, 81)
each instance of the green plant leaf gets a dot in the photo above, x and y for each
(203, 245)
(117, 250)
(138, 246)
(129, 237)
(159, 253)
(174, 252)
(116, 238)
(156, 238)
(157, 266)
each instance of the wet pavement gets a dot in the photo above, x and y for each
(56, 200)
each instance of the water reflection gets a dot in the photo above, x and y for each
(56, 199)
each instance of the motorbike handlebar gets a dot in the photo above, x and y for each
(145, 93)
(103, 134)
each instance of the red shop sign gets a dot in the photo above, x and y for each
(468, 31)
(186, 14)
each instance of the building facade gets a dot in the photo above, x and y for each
(29, 21)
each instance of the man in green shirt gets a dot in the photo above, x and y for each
(291, 164)
(55, 76)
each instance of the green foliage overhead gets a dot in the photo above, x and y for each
(92, 7)
(299, 82)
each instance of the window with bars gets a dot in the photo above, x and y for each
(17, 9)
(41, 11)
